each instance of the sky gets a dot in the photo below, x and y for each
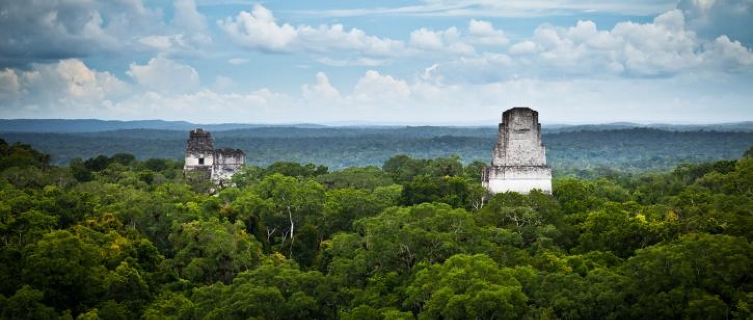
(419, 62)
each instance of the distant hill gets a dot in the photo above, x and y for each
(746, 126)
(94, 125)
(576, 150)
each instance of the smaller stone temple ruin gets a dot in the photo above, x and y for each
(205, 161)
(519, 159)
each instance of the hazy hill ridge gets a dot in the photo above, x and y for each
(621, 146)
(95, 125)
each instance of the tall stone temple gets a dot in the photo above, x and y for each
(519, 159)
(216, 164)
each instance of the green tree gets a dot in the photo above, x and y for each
(293, 203)
(466, 287)
(26, 303)
(68, 270)
(210, 251)
(698, 274)
(274, 290)
(21, 155)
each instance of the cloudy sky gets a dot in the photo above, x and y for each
(398, 61)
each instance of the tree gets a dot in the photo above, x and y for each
(294, 169)
(356, 177)
(343, 206)
(21, 155)
(293, 202)
(209, 251)
(68, 270)
(80, 170)
(403, 168)
(274, 290)
(466, 287)
(616, 229)
(695, 274)
(26, 303)
(97, 163)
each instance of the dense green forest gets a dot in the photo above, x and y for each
(574, 151)
(116, 237)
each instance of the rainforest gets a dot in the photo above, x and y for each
(119, 236)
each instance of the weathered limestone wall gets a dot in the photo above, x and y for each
(199, 151)
(519, 157)
(227, 162)
(219, 165)
(196, 159)
(518, 179)
(519, 139)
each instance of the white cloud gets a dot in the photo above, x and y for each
(187, 17)
(46, 30)
(164, 75)
(483, 32)
(426, 40)
(663, 47)
(70, 89)
(321, 91)
(67, 29)
(66, 87)
(731, 55)
(375, 88)
(9, 85)
(193, 24)
(523, 47)
(670, 66)
(448, 41)
(259, 30)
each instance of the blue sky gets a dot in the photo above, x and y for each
(390, 62)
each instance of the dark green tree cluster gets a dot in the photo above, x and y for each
(118, 238)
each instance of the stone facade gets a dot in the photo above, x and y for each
(216, 164)
(519, 158)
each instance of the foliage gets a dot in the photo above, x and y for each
(114, 237)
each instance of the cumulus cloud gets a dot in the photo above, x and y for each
(447, 41)
(9, 85)
(663, 47)
(191, 23)
(161, 74)
(259, 30)
(425, 39)
(321, 91)
(483, 32)
(731, 55)
(374, 87)
(46, 31)
(68, 87)
(64, 29)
